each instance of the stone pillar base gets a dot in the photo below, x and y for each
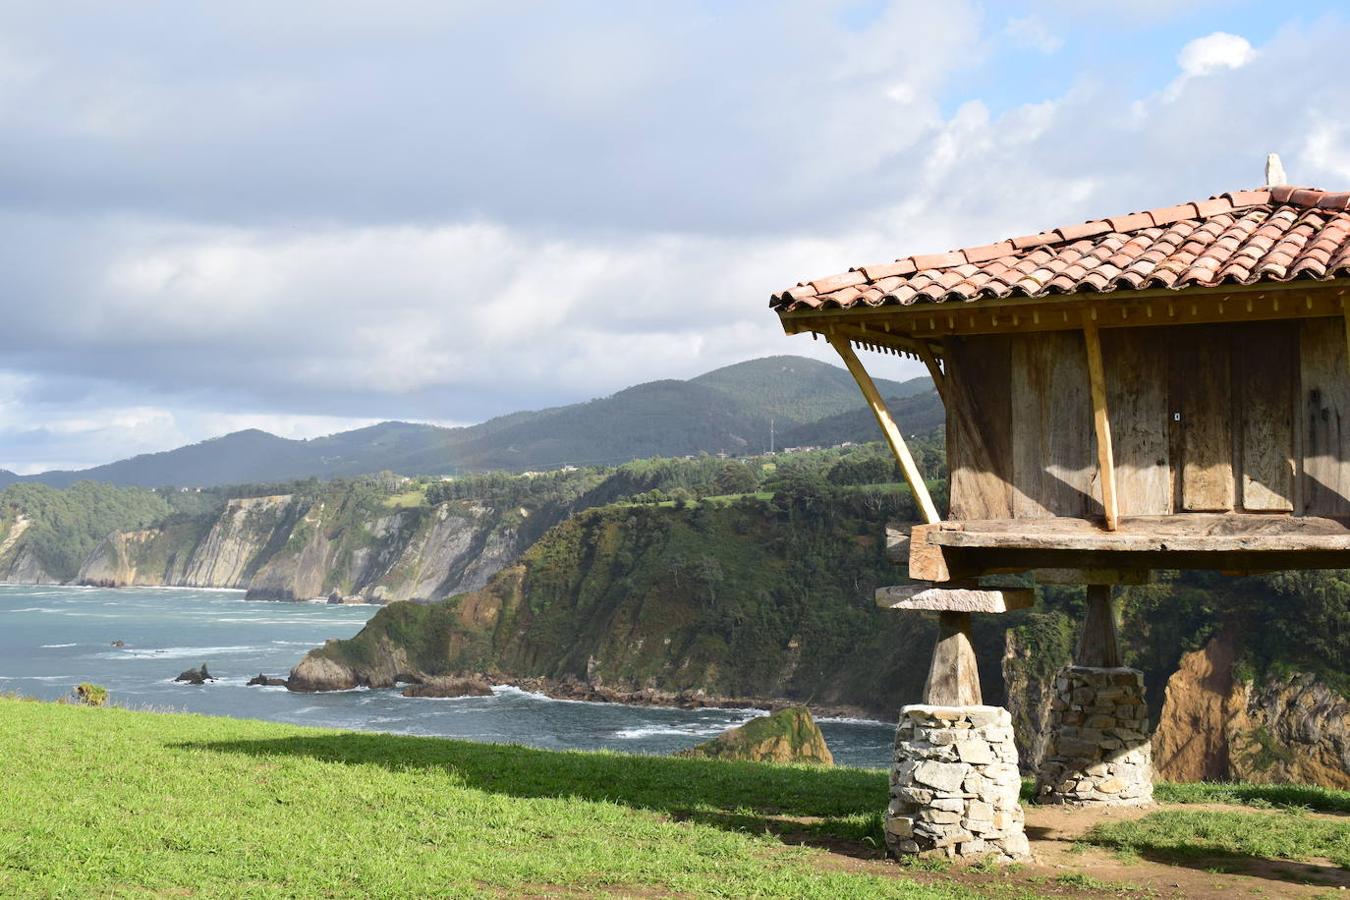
(955, 785)
(1097, 749)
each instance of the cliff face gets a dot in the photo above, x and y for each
(1217, 725)
(412, 554)
(18, 564)
(285, 547)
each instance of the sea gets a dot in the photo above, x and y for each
(54, 637)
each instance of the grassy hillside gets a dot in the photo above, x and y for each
(726, 410)
(109, 802)
(103, 802)
(743, 598)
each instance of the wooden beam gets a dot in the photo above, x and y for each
(1106, 464)
(888, 428)
(953, 677)
(1097, 644)
(935, 371)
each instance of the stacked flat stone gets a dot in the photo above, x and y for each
(955, 785)
(1097, 749)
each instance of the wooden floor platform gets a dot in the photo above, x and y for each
(1222, 541)
(1189, 532)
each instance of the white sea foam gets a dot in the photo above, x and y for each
(56, 646)
(847, 720)
(176, 652)
(703, 729)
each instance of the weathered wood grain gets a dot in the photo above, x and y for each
(1136, 396)
(1054, 458)
(926, 561)
(953, 676)
(1201, 361)
(979, 427)
(1184, 532)
(1097, 643)
(1266, 367)
(1325, 413)
(1101, 423)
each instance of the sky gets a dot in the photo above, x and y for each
(311, 216)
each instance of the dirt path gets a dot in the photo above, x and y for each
(1063, 866)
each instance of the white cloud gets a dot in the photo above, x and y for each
(410, 244)
(1207, 55)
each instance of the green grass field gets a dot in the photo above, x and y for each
(112, 802)
(101, 802)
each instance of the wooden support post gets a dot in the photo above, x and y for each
(953, 678)
(1106, 465)
(888, 427)
(1097, 644)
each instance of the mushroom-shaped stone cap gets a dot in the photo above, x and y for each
(970, 600)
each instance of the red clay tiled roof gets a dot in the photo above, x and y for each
(1270, 234)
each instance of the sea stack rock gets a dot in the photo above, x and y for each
(196, 676)
(789, 735)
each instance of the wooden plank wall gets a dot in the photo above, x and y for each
(1325, 418)
(1054, 443)
(1252, 417)
(1201, 374)
(1136, 398)
(979, 426)
(1265, 384)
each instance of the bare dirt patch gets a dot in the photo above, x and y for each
(1065, 866)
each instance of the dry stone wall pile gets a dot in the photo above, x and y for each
(955, 785)
(1097, 750)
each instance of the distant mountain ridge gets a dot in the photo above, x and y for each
(732, 409)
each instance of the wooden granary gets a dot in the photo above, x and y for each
(1164, 389)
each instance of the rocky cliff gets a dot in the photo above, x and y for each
(1220, 723)
(756, 600)
(289, 547)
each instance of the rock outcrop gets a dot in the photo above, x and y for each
(195, 676)
(1283, 728)
(787, 736)
(446, 687)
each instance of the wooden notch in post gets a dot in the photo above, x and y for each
(1106, 465)
(888, 428)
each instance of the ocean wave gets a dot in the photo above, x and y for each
(848, 720)
(692, 729)
(56, 646)
(177, 652)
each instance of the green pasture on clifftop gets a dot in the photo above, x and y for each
(111, 802)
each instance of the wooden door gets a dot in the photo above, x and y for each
(1200, 370)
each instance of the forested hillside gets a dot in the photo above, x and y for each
(731, 410)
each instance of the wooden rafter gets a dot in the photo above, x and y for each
(1106, 464)
(899, 448)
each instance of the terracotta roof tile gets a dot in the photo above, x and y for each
(1241, 237)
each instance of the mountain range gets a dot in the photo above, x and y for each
(737, 409)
